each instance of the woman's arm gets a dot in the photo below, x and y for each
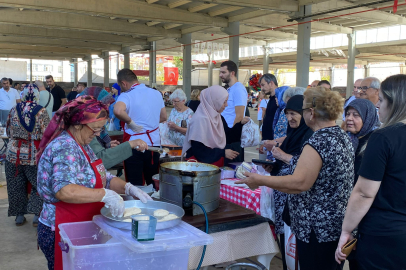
(73, 193)
(360, 202)
(306, 173)
(118, 185)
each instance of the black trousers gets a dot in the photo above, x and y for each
(282, 250)
(141, 164)
(317, 256)
(381, 252)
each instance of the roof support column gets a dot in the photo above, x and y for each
(332, 71)
(127, 60)
(210, 71)
(303, 48)
(352, 52)
(265, 68)
(233, 30)
(106, 59)
(186, 40)
(152, 64)
(30, 70)
(366, 71)
(88, 58)
(75, 72)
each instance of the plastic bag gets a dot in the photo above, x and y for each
(250, 134)
(111, 126)
(164, 133)
(290, 248)
(267, 203)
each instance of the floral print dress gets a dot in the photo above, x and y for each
(322, 207)
(63, 163)
(177, 118)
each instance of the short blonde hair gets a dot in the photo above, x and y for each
(327, 104)
(195, 94)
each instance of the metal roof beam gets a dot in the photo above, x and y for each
(68, 21)
(277, 5)
(59, 34)
(136, 10)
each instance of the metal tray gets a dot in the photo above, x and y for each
(146, 209)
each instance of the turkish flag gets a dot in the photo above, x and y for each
(171, 75)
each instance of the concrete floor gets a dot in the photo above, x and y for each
(18, 245)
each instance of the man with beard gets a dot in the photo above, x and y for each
(233, 114)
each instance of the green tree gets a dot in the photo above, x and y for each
(177, 60)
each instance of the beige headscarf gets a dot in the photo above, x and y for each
(206, 125)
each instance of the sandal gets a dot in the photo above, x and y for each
(20, 220)
(35, 221)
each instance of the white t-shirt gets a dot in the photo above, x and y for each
(263, 104)
(237, 96)
(43, 100)
(8, 99)
(143, 106)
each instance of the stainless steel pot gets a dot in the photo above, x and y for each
(199, 180)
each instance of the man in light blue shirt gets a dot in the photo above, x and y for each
(238, 96)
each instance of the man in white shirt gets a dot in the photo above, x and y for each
(235, 111)
(141, 109)
(46, 99)
(237, 94)
(9, 97)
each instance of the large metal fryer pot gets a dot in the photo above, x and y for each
(199, 180)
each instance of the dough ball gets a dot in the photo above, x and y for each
(160, 213)
(168, 217)
(131, 211)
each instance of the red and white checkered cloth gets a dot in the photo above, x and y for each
(242, 196)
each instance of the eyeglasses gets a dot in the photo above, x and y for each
(313, 104)
(365, 88)
(94, 131)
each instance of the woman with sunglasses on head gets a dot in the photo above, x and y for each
(377, 205)
(72, 181)
(320, 182)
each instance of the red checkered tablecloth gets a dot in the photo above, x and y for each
(242, 196)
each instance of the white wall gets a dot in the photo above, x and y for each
(16, 70)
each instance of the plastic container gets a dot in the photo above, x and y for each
(87, 246)
(143, 227)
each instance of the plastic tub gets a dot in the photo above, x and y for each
(89, 247)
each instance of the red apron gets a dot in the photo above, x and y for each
(70, 212)
(20, 141)
(219, 163)
(126, 138)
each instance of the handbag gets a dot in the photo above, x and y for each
(347, 248)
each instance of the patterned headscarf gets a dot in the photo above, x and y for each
(370, 119)
(106, 98)
(28, 108)
(80, 111)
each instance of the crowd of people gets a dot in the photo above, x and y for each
(331, 183)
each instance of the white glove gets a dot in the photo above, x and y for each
(131, 190)
(134, 127)
(114, 202)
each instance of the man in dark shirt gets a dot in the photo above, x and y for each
(57, 92)
(268, 84)
(72, 94)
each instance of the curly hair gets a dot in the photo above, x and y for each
(327, 104)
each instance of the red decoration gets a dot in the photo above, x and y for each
(254, 82)
(171, 75)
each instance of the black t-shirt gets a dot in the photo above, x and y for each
(72, 95)
(58, 94)
(358, 156)
(267, 122)
(193, 104)
(384, 161)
